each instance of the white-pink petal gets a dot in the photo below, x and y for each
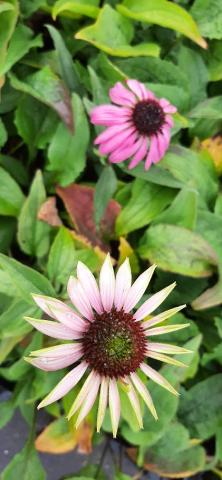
(162, 316)
(153, 302)
(138, 288)
(51, 364)
(103, 400)
(157, 378)
(123, 284)
(143, 391)
(65, 385)
(134, 400)
(167, 329)
(107, 284)
(79, 298)
(166, 348)
(53, 329)
(89, 286)
(114, 405)
(85, 390)
(89, 400)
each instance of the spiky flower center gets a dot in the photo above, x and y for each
(148, 117)
(114, 344)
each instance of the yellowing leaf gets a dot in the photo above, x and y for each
(164, 13)
(125, 250)
(112, 33)
(214, 147)
(59, 438)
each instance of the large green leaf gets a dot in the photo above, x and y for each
(25, 464)
(11, 196)
(208, 15)
(105, 188)
(67, 151)
(200, 407)
(19, 369)
(176, 249)
(113, 33)
(210, 109)
(61, 259)
(146, 202)
(12, 321)
(74, 8)
(164, 13)
(182, 211)
(9, 11)
(33, 234)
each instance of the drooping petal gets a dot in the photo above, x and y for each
(121, 95)
(153, 154)
(138, 288)
(126, 137)
(89, 286)
(89, 400)
(109, 115)
(166, 348)
(65, 385)
(107, 284)
(144, 394)
(121, 154)
(53, 329)
(103, 400)
(110, 133)
(162, 144)
(123, 284)
(51, 364)
(153, 302)
(86, 388)
(167, 329)
(140, 154)
(114, 405)
(164, 358)
(79, 298)
(162, 316)
(133, 398)
(157, 378)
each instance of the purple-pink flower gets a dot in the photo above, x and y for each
(108, 343)
(138, 125)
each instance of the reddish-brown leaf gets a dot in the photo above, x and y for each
(78, 200)
(48, 213)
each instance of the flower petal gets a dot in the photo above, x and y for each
(114, 405)
(103, 400)
(144, 394)
(65, 385)
(110, 133)
(89, 400)
(57, 350)
(153, 302)
(107, 284)
(123, 284)
(86, 388)
(138, 88)
(53, 329)
(167, 329)
(166, 348)
(79, 298)
(138, 288)
(153, 155)
(133, 398)
(157, 378)
(61, 312)
(162, 316)
(169, 121)
(164, 358)
(121, 154)
(109, 115)
(121, 95)
(45, 303)
(89, 286)
(122, 138)
(51, 364)
(140, 154)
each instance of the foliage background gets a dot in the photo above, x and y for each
(60, 202)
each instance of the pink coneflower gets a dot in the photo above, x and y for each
(138, 128)
(109, 342)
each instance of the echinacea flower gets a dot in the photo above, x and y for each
(138, 125)
(107, 341)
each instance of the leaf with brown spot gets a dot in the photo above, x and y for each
(48, 213)
(214, 147)
(58, 438)
(78, 201)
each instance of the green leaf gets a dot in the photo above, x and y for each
(47, 87)
(200, 407)
(71, 147)
(7, 411)
(61, 259)
(33, 234)
(191, 64)
(214, 61)
(146, 202)
(208, 15)
(112, 33)
(8, 17)
(3, 134)
(210, 109)
(7, 234)
(25, 279)
(68, 70)
(20, 44)
(182, 211)
(12, 321)
(164, 13)
(156, 174)
(105, 189)
(25, 464)
(176, 249)
(11, 196)
(74, 8)
(20, 368)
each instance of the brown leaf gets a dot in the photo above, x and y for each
(78, 200)
(48, 213)
(84, 438)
